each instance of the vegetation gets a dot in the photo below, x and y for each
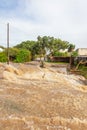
(74, 53)
(71, 47)
(12, 52)
(3, 57)
(2, 47)
(45, 45)
(16, 55)
(83, 70)
(23, 56)
(29, 50)
(57, 53)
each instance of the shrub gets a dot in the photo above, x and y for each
(74, 53)
(3, 57)
(57, 53)
(23, 56)
(83, 70)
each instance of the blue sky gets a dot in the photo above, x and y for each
(65, 19)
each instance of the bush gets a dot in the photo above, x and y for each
(23, 56)
(60, 53)
(3, 57)
(74, 53)
(12, 53)
(83, 70)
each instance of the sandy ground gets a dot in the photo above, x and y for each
(34, 98)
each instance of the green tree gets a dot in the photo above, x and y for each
(71, 47)
(74, 53)
(43, 45)
(59, 44)
(28, 45)
(25, 45)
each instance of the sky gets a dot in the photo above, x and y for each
(64, 19)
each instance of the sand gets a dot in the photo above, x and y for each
(34, 98)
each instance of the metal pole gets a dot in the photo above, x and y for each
(7, 43)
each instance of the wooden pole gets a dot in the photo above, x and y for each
(7, 43)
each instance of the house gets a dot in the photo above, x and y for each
(82, 52)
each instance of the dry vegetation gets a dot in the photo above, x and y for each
(34, 98)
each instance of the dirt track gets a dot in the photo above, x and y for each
(32, 98)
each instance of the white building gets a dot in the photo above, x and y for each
(1, 49)
(82, 51)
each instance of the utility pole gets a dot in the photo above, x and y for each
(7, 43)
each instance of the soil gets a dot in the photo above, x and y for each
(35, 98)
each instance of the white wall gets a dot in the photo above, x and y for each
(1, 49)
(82, 51)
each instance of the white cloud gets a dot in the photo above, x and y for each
(58, 18)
